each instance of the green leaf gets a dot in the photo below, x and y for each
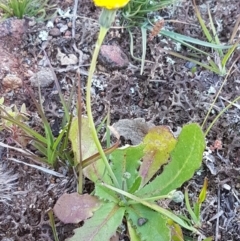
(201, 199)
(203, 193)
(189, 208)
(135, 185)
(186, 158)
(176, 231)
(132, 232)
(155, 207)
(23, 126)
(125, 162)
(102, 226)
(180, 37)
(159, 142)
(229, 53)
(97, 172)
(106, 194)
(150, 225)
(88, 146)
(208, 239)
(203, 25)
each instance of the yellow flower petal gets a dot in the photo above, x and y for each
(111, 4)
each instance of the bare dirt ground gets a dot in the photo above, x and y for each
(167, 93)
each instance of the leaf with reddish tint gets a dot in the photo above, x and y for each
(102, 226)
(74, 208)
(186, 158)
(159, 142)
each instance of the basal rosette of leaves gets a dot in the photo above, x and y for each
(111, 4)
(135, 200)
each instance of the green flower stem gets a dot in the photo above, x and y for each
(220, 113)
(155, 207)
(106, 19)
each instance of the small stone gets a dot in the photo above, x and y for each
(64, 28)
(14, 28)
(226, 186)
(55, 32)
(111, 56)
(11, 82)
(65, 59)
(68, 33)
(42, 78)
(133, 129)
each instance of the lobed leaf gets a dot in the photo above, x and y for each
(155, 207)
(106, 194)
(149, 225)
(125, 162)
(97, 172)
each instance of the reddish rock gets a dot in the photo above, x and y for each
(111, 56)
(14, 28)
(11, 33)
(8, 63)
(55, 32)
(68, 34)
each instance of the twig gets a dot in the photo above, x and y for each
(217, 223)
(74, 31)
(74, 18)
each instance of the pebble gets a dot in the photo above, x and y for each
(43, 78)
(112, 56)
(55, 32)
(13, 28)
(65, 59)
(67, 34)
(64, 28)
(11, 82)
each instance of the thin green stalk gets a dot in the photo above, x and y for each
(79, 111)
(220, 113)
(144, 47)
(101, 36)
(108, 130)
(167, 196)
(155, 207)
(225, 80)
(52, 223)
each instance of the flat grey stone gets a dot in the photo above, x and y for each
(42, 78)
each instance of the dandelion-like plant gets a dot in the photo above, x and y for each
(105, 20)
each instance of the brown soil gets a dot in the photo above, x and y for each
(167, 93)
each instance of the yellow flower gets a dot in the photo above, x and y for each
(111, 4)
